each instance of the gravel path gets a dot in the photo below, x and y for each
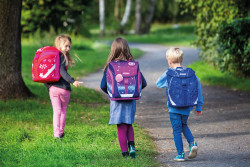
(222, 132)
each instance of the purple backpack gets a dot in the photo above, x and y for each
(124, 80)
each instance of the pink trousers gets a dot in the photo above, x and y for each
(59, 98)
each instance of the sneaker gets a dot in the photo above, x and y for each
(132, 151)
(125, 154)
(62, 135)
(193, 150)
(180, 157)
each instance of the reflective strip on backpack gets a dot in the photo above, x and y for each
(110, 95)
(172, 102)
(170, 99)
(49, 71)
(127, 95)
(196, 101)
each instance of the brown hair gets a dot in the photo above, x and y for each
(61, 39)
(119, 51)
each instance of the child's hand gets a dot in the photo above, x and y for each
(77, 83)
(198, 113)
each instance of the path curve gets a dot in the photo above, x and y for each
(222, 132)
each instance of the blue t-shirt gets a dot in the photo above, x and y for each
(162, 83)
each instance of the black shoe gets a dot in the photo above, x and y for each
(62, 135)
(125, 154)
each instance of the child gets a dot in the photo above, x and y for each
(179, 115)
(59, 92)
(122, 112)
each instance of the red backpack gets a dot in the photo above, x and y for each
(46, 65)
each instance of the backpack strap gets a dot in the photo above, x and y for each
(181, 72)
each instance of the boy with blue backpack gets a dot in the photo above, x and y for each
(184, 92)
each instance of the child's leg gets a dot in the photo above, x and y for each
(56, 104)
(122, 136)
(131, 136)
(175, 120)
(186, 131)
(193, 149)
(131, 143)
(65, 96)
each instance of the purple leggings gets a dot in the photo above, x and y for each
(125, 134)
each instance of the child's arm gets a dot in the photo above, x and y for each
(63, 71)
(144, 82)
(200, 100)
(162, 81)
(104, 82)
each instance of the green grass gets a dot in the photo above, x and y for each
(159, 34)
(26, 125)
(209, 75)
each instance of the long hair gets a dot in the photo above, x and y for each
(119, 51)
(61, 39)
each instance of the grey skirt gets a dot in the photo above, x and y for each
(122, 111)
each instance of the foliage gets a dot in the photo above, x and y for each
(234, 51)
(213, 76)
(169, 11)
(63, 15)
(77, 16)
(209, 14)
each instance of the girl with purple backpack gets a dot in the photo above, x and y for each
(122, 112)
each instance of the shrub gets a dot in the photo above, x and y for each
(234, 52)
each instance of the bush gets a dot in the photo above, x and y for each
(209, 16)
(234, 52)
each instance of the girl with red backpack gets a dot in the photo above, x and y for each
(59, 91)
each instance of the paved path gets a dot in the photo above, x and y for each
(222, 132)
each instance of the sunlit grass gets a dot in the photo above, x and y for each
(165, 34)
(212, 76)
(27, 130)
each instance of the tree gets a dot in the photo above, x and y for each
(11, 81)
(102, 17)
(126, 15)
(149, 18)
(116, 11)
(209, 15)
(138, 17)
(63, 15)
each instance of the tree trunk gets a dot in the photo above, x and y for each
(102, 17)
(138, 18)
(117, 6)
(150, 16)
(126, 15)
(11, 81)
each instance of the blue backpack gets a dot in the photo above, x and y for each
(182, 88)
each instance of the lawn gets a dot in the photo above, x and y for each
(165, 34)
(26, 125)
(212, 76)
